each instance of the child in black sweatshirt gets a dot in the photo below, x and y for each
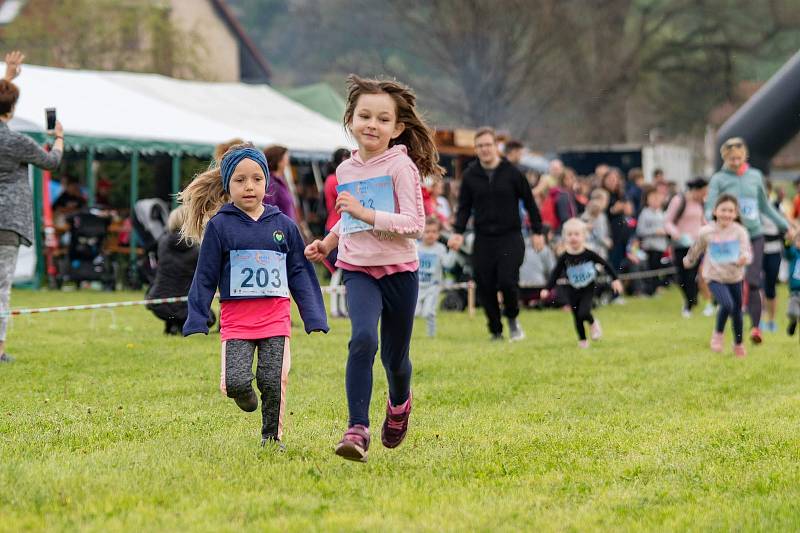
(579, 265)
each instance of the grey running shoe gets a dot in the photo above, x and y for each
(515, 332)
(275, 443)
(5, 358)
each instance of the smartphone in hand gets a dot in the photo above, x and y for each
(50, 116)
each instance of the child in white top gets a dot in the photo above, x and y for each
(434, 258)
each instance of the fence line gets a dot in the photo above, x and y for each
(339, 289)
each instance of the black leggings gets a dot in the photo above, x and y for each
(687, 277)
(580, 302)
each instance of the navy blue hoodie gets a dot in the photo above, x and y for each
(233, 229)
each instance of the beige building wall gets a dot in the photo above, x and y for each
(219, 48)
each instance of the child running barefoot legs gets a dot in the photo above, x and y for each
(728, 251)
(380, 200)
(254, 254)
(578, 263)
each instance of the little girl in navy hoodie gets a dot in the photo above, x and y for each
(254, 255)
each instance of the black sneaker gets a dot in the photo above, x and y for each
(496, 337)
(248, 402)
(5, 358)
(791, 328)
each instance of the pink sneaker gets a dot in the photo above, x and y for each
(354, 444)
(596, 330)
(739, 350)
(583, 344)
(717, 341)
(755, 336)
(395, 425)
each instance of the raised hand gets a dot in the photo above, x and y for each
(14, 64)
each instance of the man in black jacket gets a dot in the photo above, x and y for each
(491, 190)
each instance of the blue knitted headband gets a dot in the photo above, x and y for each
(233, 158)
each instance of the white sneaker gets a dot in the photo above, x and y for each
(686, 313)
(596, 330)
(515, 330)
(709, 309)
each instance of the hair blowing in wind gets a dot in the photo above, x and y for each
(417, 135)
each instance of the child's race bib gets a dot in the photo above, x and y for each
(724, 251)
(748, 208)
(428, 263)
(258, 273)
(373, 193)
(581, 275)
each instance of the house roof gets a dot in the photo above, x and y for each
(236, 27)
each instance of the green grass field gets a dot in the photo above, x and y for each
(108, 425)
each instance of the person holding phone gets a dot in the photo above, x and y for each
(16, 218)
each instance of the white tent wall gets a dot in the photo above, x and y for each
(261, 114)
(89, 104)
(150, 107)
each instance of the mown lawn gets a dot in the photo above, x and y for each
(107, 425)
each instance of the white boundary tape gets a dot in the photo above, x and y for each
(339, 289)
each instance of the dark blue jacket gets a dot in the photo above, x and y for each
(233, 229)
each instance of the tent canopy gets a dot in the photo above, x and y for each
(150, 113)
(320, 97)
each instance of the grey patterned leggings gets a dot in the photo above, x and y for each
(8, 262)
(272, 373)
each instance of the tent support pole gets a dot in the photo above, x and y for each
(176, 179)
(134, 197)
(91, 180)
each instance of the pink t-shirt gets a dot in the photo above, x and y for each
(255, 318)
(378, 272)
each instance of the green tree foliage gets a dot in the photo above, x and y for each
(104, 35)
(552, 71)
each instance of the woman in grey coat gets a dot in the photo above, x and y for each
(17, 151)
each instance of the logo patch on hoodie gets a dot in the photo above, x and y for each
(278, 237)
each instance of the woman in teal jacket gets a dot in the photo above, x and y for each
(745, 183)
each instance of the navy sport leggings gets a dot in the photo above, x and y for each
(391, 300)
(729, 298)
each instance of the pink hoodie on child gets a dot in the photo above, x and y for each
(711, 235)
(392, 241)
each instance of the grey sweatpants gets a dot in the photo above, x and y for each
(8, 262)
(272, 373)
(427, 303)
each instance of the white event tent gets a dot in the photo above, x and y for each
(135, 114)
(151, 113)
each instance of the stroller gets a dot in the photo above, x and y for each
(149, 222)
(85, 259)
